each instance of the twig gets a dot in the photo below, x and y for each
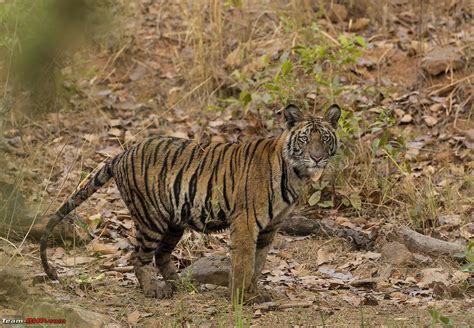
(330, 38)
(9, 242)
(435, 92)
(273, 306)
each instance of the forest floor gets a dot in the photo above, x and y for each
(223, 71)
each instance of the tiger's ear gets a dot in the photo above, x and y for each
(333, 114)
(292, 115)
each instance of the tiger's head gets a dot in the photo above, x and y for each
(311, 140)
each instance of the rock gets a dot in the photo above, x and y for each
(440, 58)
(360, 24)
(396, 253)
(210, 270)
(337, 13)
(74, 315)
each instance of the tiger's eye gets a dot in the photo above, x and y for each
(303, 139)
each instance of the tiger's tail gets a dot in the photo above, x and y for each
(94, 183)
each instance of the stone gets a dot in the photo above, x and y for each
(209, 270)
(337, 13)
(441, 58)
(397, 254)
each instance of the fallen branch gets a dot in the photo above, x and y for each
(273, 306)
(302, 226)
(416, 242)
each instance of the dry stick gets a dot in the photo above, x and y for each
(330, 38)
(272, 306)
(457, 112)
(435, 92)
(9, 242)
(417, 242)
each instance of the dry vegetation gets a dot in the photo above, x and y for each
(223, 70)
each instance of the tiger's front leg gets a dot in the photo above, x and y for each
(264, 243)
(243, 236)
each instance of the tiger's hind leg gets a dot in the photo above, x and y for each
(145, 272)
(163, 257)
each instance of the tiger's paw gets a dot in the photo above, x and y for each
(159, 290)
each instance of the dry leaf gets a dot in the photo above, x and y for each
(467, 231)
(132, 318)
(407, 118)
(101, 248)
(324, 256)
(316, 175)
(432, 275)
(78, 260)
(114, 132)
(452, 219)
(430, 120)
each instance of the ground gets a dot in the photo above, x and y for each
(223, 71)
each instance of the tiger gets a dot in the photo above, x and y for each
(171, 184)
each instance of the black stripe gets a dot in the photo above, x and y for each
(156, 150)
(256, 217)
(177, 186)
(270, 195)
(283, 183)
(143, 167)
(226, 199)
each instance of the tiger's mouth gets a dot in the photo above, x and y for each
(320, 162)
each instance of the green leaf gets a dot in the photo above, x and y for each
(467, 267)
(324, 184)
(445, 320)
(286, 67)
(245, 98)
(360, 41)
(355, 200)
(434, 315)
(346, 202)
(267, 98)
(314, 199)
(326, 204)
(375, 146)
